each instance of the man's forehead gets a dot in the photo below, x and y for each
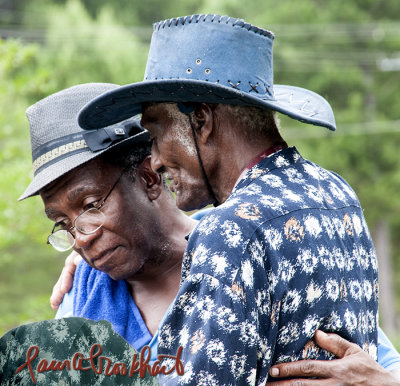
(146, 105)
(90, 175)
(150, 114)
(156, 112)
(149, 107)
(155, 107)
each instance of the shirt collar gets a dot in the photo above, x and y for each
(259, 157)
(263, 165)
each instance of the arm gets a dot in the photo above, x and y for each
(222, 313)
(218, 336)
(64, 283)
(355, 367)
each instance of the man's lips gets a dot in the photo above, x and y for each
(101, 258)
(173, 185)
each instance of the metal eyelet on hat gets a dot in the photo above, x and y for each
(119, 131)
(207, 71)
(189, 70)
(198, 61)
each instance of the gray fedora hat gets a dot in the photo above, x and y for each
(60, 145)
(208, 58)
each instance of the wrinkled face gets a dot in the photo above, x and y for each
(173, 151)
(121, 246)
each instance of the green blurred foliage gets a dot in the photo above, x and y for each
(96, 50)
(81, 49)
(335, 48)
(26, 268)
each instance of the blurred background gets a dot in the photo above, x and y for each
(347, 51)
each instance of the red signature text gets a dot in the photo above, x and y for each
(140, 363)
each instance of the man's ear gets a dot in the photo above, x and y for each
(203, 121)
(151, 181)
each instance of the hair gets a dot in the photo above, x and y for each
(127, 157)
(252, 121)
(255, 121)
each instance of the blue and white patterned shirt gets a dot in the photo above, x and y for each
(289, 252)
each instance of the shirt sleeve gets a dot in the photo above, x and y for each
(219, 333)
(388, 357)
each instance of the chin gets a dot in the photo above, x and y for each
(114, 277)
(117, 275)
(122, 275)
(189, 204)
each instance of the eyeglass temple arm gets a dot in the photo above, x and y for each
(115, 184)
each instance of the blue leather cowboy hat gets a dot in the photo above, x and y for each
(208, 58)
(60, 145)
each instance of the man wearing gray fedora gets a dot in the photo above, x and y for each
(108, 205)
(287, 251)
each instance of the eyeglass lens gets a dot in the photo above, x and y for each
(87, 223)
(62, 240)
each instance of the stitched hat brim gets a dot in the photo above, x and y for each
(123, 102)
(65, 165)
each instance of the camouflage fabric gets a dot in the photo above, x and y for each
(58, 351)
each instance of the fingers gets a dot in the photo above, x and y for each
(77, 258)
(306, 368)
(335, 344)
(55, 299)
(68, 272)
(303, 382)
(317, 368)
(65, 281)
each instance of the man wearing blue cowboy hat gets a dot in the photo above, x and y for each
(287, 250)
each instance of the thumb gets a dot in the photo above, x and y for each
(335, 344)
(77, 259)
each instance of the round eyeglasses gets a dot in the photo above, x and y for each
(88, 222)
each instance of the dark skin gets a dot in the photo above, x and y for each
(181, 169)
(223, 167)
(356, 367)
(142, 240)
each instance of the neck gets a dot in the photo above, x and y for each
(234, 156)
(168, 248)
(156, 286)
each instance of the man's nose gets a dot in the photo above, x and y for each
(84, 241)
(156, 162)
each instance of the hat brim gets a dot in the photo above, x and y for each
(121, 103)
(61, 167)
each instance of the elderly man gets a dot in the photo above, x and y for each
(287, 251)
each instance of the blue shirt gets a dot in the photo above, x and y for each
(388, 357)
(289, 252)
(96, 296)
